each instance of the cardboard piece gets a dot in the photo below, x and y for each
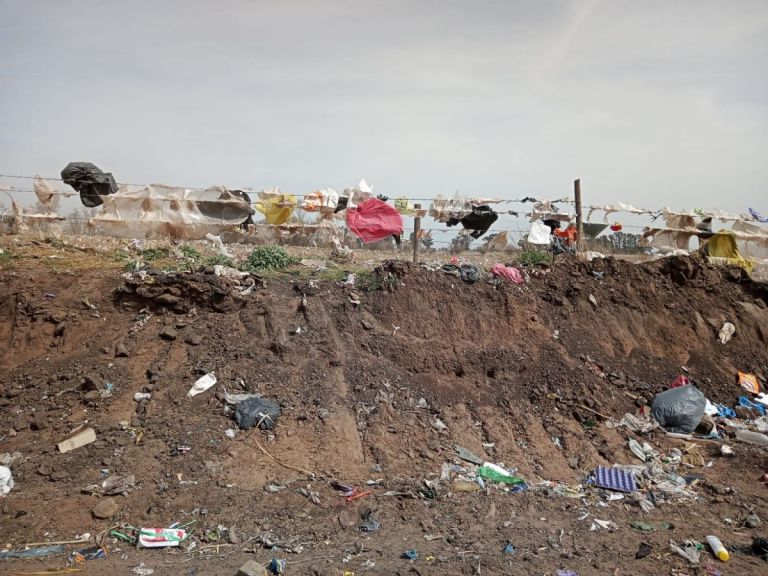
(80, 438)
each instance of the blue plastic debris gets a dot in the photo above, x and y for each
(725, 412)
(566, 573)
(747, 403)
(614, 479)
(509, 549)
(34, 552)
(277, 566)
(411, 554)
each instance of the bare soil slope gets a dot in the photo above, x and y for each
(516, 373)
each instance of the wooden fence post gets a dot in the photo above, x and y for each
(416, 230)
(579, 227)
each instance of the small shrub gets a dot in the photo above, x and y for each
(220, 260)
(150, 254)
(268, 258)
(534, 257)
(190, 253)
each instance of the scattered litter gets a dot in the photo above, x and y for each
(34, 552)
(634, 423)
(218, 243)
(465, 454)
(749, 382)
(410, 554)
(439, 425)
(495, 473)
(257, 412)
(6, 480)
(643, 551)
(88, 554)
(680, 409)
(160, 537)
(718, 549)
(690, 550)
(142, 570)
(645, 527)
(277, 566)
(752, 437)
(230, 433)
(369, 523)
(233, 399)
(644, 452)
(614, 479)
(350, 280)
(77, 440)
(566, 573)
(112, 486)
(604, 525)
(509, 549)
(726, 332)
(593, 300)
(508, 273)
(202, 384)
(139, 396)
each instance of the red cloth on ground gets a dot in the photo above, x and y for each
(374, 220)
(511, 274)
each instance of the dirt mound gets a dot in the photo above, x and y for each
(377, 384)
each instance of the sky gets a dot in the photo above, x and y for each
(654, 103)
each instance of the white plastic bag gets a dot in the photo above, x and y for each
(6, 480)
(202, 385)
(539, 233)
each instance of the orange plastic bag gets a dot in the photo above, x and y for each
(749, 382)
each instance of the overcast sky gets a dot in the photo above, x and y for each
(652, 102)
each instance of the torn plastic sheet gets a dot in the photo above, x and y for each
(158, 210)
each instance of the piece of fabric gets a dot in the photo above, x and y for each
(479, 220)
(276, 207)
(569, 235)
(89, 181)
(723, 245)
(509, 273)
(374, 220)
(614, 479)
(467, 272)
(325, 201)
(404, 206)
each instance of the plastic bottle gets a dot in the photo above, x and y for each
(718, 548)
(752, 437)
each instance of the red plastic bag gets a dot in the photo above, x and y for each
(374, 220)
(680, 381)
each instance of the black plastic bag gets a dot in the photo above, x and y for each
(679, 409)
(257, 412)
(90, 181)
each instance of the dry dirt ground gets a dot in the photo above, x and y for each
(517, 374)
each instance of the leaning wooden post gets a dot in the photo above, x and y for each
(416, 230)
(579, 227)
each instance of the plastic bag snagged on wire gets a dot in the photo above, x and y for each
(374, 220)
(257, 412)
(679, 409)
